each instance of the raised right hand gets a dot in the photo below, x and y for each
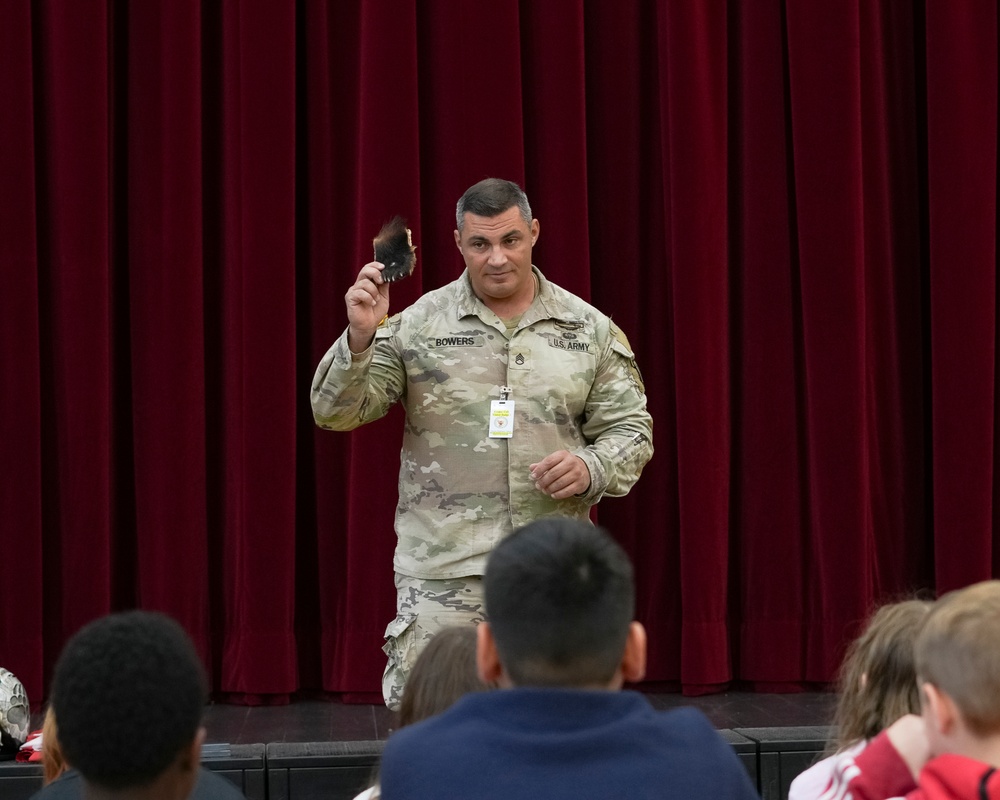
(367, 305)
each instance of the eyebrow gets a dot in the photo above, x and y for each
(480, 238)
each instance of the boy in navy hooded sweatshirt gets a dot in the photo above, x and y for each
(560, 640)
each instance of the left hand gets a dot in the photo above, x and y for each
(561, 475)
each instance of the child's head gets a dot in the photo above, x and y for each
(958, 657)
(878, 678)
(444, 672)
(560, 607)
(53, 763)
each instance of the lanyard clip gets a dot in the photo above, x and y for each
(505, 393)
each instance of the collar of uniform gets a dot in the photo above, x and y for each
(546, 305)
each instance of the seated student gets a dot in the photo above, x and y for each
(129, 693)
(444, 671)
(953, 749)
(560, 640)
(53, 763)
(878, 685)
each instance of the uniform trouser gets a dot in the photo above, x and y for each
(423, 607)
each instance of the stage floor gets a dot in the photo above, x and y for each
(332, 721)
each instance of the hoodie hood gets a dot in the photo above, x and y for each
(953, 776)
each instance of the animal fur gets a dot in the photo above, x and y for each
(395, 249)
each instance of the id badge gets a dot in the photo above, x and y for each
(501, 419)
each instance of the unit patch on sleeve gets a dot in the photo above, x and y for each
(621, 346)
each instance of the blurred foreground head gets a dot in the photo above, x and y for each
(560, 601)
(958, 655)
(129, 693)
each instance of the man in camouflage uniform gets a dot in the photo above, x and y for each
(522, 401)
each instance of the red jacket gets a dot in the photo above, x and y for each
(879, 772)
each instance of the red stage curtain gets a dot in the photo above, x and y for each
(789, 206)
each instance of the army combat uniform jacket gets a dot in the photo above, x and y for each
(574, 385)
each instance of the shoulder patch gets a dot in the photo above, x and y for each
(621, 346)
(621, 339)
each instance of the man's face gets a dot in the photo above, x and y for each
(497, 252)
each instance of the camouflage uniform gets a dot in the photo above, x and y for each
(575, 387)
(424, 607)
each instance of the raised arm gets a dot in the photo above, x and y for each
(361, 375)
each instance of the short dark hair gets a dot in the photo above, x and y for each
(129, 693)
(444, 671)
(492, 197)
(559, 598)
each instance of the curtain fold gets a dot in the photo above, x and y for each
(159, 272)
(827, 163)
(72, 200)
(961, 64)
(255, 340)
(789, 207)
(20, 355)
(767, 394)
(692, 86)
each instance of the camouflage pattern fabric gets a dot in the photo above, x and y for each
(424, 607)
(575, 386)
(15, 713)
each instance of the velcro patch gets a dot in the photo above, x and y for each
(457, 340)
(621, 346)
(571, 345)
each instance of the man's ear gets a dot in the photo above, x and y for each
(634, 657)
(458, 240)
(942, 713)
(534, 231)
(487, 658)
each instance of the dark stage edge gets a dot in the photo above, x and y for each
(328, 750)
(332, 721)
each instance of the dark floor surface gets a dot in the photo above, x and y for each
(324, 721)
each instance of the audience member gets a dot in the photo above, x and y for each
(560, 641)
(877, 686)
(129, 692)
(953, 749)
(53, 763)
(444, 671)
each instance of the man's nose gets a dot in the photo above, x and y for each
(497, 256)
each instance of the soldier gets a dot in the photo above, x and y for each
(522, 401)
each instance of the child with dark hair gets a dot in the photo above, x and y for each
(877, 686)
(560, 640)
(129, 693)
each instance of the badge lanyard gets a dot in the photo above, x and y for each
(502, 415)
